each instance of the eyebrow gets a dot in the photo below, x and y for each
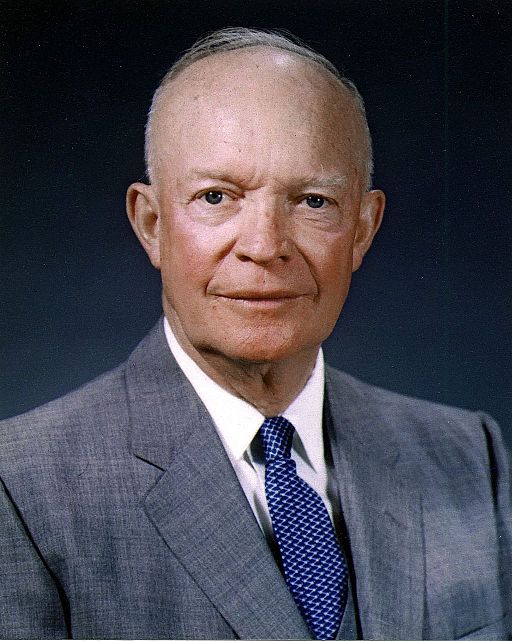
(201, 174)
(325, 181)
(316, 180)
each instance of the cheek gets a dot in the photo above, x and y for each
(187, 257)
(330, 259)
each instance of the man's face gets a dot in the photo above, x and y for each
(260, 203)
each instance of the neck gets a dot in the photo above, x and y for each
(270, 387)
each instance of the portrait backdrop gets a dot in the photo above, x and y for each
(429, 313)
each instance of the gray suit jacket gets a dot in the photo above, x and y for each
(121, 516)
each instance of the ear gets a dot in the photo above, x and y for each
(370, 218)
(144, 215)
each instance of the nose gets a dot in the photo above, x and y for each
(263, 235)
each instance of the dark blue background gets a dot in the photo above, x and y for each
(429, 313)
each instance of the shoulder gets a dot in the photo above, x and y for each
(454, 456)
(440, 431)
(398, 406)
(91, 427)
(89, 419)
(66, 424)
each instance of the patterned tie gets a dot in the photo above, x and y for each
(313, 563)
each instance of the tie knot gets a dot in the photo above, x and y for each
(276, 435)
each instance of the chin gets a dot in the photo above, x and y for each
(266, 349)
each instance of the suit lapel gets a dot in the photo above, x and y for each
(198, 506)
(382, 515)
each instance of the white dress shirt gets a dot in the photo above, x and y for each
(237, 423)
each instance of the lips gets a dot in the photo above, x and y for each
(276, 294)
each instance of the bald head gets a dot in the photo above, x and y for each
(253, 68)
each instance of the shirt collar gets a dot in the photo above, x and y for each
(238, 422)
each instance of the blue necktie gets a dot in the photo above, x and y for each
(313, 563)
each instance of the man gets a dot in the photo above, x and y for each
(223, 483)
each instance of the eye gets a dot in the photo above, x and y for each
(314, 201)
(213, 197)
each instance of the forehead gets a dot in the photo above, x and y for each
(251, 76)
(256, 63)
(255, 94)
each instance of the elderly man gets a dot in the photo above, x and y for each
(223, 482)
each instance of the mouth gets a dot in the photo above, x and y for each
(262, 299)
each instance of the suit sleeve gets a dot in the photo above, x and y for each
(499, 459)
(31, 606)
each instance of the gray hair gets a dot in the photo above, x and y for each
(233, 38)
